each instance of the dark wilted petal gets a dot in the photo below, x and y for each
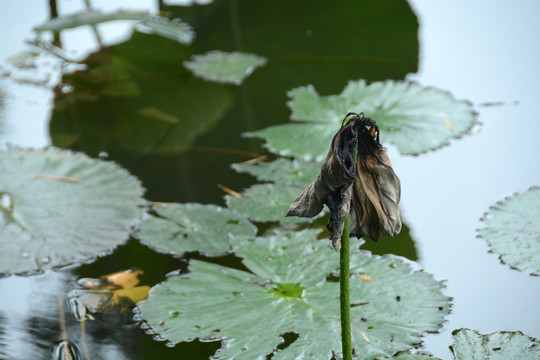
(376, 189)
(333, 184)
(338, 215)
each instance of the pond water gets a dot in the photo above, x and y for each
(486, 52)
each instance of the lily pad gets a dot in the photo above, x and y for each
(388, 314)
(224, 67)
(89, 17)
(513, 230)
(266, 202)
(414, 118)
(180, 228)
(174, 29)
(283, 171)
(60, 207)
(503, 345)
(408, 356)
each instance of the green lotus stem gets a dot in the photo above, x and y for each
(344, 294)
(344, 287)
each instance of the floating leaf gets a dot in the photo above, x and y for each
(193, 227)
(224, 67)
(89, 17)
(174, 29)
(410, 116)
(266, 202)
(409, 356)
(513, 230)
(216, 302)
(121, 279)
(63, 207)
(503, 345)
(283, 171)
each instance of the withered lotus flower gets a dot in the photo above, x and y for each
(369, 191)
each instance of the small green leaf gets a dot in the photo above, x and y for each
(89, 17)
(288, 285)
(174, 29)
(59, 207)
(193, 227)
(283, 171)
(503, 345)
(513, 230)
(224, 67)
(266, 202)
(414, 118)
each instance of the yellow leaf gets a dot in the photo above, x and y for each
(134, 294)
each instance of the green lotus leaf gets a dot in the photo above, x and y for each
(58, 207)
(224, 67)
(251, 311)
(180, 228)
(266, 202)
(283, 171)
(409, 356)
(414, 118)
(513, 230)
(174, 29)
(503, 345)
(89, 17)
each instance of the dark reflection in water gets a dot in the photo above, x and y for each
(179, 134)
(136, 104)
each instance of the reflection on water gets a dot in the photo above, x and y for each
(32, 327)
(66, 351)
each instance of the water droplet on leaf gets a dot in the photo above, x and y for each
(6, 202)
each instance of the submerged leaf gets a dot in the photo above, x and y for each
(121, 279)
(503, 345)
(86, 303)
(65, 208)
(288, 284)
(412, 117)
(224, 67)
(180, 228)
(513, 230)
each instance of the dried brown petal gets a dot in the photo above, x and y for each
(376, 191)
(337, 218)
(333, 184)
(369, 191)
